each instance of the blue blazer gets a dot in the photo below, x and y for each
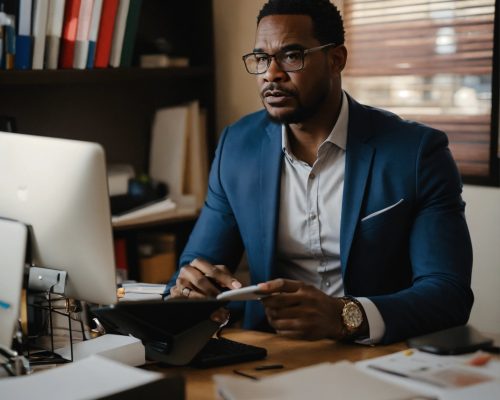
(413, 261)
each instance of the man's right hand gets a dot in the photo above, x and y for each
(201, 279)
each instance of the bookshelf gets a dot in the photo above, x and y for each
(115, 106)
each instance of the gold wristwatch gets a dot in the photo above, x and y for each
(352, 317)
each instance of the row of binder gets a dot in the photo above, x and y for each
(79, 34)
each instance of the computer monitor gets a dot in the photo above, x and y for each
(59, 187)
(13, 239)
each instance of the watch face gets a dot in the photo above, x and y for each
(352, 315)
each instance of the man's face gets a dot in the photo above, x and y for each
(292, 97)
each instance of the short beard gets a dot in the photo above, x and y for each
(300, 114)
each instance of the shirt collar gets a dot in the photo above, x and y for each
(338, 135)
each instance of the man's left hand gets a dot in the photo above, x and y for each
(301, 311)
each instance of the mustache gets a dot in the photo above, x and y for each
(273, 87)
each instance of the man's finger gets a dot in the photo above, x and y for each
(280, 285)
(219, 273)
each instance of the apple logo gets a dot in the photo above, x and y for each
(22, 193)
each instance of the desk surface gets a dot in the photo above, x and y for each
(289, 352)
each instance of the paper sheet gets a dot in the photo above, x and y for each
(91, 378)
(326, 381)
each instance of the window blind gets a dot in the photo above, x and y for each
(430, 61)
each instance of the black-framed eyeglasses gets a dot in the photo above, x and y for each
(288, 60)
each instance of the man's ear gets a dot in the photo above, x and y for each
(338, 58)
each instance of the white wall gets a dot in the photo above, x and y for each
(483, 217)
(237, 95)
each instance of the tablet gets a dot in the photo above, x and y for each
(241, 294)
(457, 340)
(155, 320)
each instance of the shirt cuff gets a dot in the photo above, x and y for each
(376, 323)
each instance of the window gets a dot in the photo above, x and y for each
(430, 61)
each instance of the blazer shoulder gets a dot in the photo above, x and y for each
(387, 125)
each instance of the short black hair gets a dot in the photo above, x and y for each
(327, 21)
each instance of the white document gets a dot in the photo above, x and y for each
(91, 378)
(153, 212)
(178, 152)
(13, 239)
(324, 381)
(168, 150)
(445, 377)
(125, 349)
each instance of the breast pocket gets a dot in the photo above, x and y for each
(389, 214)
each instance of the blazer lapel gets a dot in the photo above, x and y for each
(269, 180)
(359, 156)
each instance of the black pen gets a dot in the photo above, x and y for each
(270, 366)
(238, 372)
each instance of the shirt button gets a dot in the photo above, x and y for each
(313, 216)
(327, 283)
(312, 176)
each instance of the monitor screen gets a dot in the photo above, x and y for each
(59, 187)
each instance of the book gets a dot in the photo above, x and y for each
(93, 32)
(162, 61)
(105, 34)
(70, 25)
(9, 42)
(148, 213)
(55, 18)
(132, 24)
(119, 33)
(177, 152)
(23, 37)
(196, 174)
(82, 34)
(40, 13)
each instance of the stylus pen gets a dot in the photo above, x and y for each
(241, 373)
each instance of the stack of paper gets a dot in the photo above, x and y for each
(445, 377)
(92, 378)
(326, 381)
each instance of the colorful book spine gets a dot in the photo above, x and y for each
(23, 38)
(93, 32)
(40, 14)
(119, 33)
(70, 26)
(82, 34)
(105, 36)
(134, 13)
(9, 32)
(55, 19)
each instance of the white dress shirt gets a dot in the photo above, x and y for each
(309, 219)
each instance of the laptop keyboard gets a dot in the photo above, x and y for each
(222, 351)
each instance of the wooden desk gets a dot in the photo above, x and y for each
(289, 352)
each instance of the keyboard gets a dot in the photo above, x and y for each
(223, 351)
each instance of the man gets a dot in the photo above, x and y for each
(330, 198)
